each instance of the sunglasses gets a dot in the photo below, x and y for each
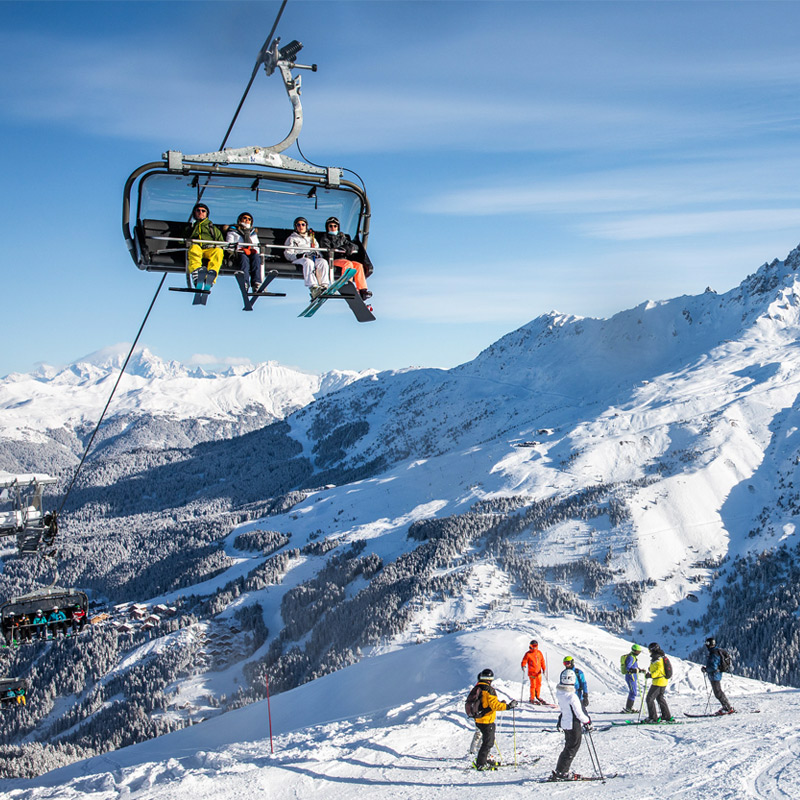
(301, 225)
(201, 211)
(246, 219)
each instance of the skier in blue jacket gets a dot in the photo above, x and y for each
(713, 672)
(581, 687)
(632, 670)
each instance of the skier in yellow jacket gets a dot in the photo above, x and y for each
(486, 723)
(655, 695)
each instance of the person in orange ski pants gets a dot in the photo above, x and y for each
(533, 660)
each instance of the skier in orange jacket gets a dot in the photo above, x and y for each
(534, 661)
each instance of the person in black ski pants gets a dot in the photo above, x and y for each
(714, 674)
(486, 723)
(655, 695)
(574, 720)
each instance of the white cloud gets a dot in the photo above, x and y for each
(209, 360)
(656, 226)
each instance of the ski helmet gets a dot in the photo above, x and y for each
(299, 219)
(567, 677)
(200, 205)
(568, 661)
(653, 646)
(637, 648)
(711, 642)
(328, 221)
(245, 214)
(534, 643)
(486, 675)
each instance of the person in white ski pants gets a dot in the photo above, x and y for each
(301, 251)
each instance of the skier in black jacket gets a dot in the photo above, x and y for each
(714, 674)
(334, 239)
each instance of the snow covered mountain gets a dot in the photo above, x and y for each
(55, 408)
(631, 477)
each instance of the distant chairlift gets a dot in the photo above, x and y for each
(273, 187)
(13, 691)
(18, 613)
(22, 513)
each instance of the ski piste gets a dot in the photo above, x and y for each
(331, 291)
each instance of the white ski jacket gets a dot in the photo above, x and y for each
(570, 707)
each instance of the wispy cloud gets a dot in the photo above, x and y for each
(658, 226)
(209, 360)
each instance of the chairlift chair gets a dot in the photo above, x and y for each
(44, 600)
(273, 187)
(15, 685)
(22, 512)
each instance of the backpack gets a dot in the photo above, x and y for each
(667, 667)
(473, 705)
(725, 660)
(622, 659)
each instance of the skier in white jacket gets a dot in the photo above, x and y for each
(301, 251)
(573, 720)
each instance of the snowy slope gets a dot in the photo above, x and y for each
(393, 726)
(32, 403)
(675, 402)
(685, 411)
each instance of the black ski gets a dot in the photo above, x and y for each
(687, 714)
(597, 728)
(604, 778)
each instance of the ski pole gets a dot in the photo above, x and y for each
(550, 687)
(514, 728)
(591, 754)
(522, 688)
(708, 690)
(595, 760)
(644, 691)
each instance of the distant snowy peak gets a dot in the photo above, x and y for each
(50, 398)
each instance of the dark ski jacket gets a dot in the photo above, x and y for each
(338, 241)
(713, 662)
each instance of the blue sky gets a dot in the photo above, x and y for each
(520, 157)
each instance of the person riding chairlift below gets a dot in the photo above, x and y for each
(246, 259)
(301, 250)
(201, 254)
(334, 239)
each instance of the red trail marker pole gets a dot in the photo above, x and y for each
(269, 714)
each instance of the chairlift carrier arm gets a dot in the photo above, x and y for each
(272, 58)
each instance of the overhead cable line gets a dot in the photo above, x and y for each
(110, 397)
(264, 49)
